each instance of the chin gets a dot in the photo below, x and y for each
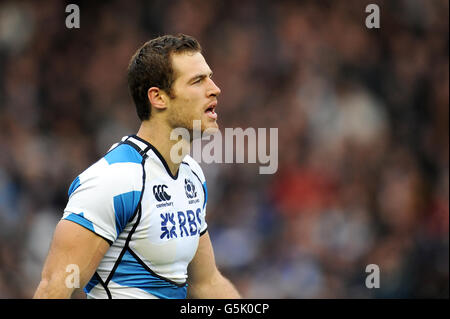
(210, 129)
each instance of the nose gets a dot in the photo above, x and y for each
(214, 90)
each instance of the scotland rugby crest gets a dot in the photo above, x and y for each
(189, 188)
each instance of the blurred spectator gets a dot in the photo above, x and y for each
(363, 136)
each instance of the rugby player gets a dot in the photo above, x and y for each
(134, 225)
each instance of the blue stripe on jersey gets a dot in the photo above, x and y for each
(131, 273)
(206, 194)
(123, 153)
(91, 284)
(79, 219)
(75, 184)
(124, 207)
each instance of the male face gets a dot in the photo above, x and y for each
(195, 93)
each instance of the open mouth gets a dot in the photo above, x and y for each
(210, 111)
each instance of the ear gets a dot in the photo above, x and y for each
(157, 98)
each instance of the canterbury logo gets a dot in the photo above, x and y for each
(160, 193)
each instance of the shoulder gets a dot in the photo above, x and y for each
(123, 153)
(195, 167)
(119, 171)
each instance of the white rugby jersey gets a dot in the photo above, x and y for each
(151, 219)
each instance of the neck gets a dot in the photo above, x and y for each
(157, 133)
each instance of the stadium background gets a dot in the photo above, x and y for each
(362, 117)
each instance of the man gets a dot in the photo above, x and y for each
(135, 220)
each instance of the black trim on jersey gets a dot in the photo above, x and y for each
(144, 156)
(141, 152)
(204, 231)
(137, 148)
(158, 154)
(138, 211)
(133, 145)
(119, 259)
(203, 187)
(140, 262)
(100, 280)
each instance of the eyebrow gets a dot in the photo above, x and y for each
(199, 76)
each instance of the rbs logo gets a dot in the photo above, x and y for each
(180, 224)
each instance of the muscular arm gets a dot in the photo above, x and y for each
(205, 280)
(72, 244)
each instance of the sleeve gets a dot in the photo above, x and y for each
(104, 198)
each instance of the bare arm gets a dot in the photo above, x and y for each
(205, 280)
(74, 245)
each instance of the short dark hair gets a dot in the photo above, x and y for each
(151, 66)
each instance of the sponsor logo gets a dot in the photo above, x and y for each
(160, 194)
(181, 224)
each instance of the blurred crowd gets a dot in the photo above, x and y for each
(362, 118)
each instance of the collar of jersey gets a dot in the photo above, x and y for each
(145, 146)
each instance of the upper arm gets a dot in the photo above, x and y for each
(204, 278)
(72, 247)
(102, 201)
(203, 267)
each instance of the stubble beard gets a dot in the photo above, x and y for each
(186, 121)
